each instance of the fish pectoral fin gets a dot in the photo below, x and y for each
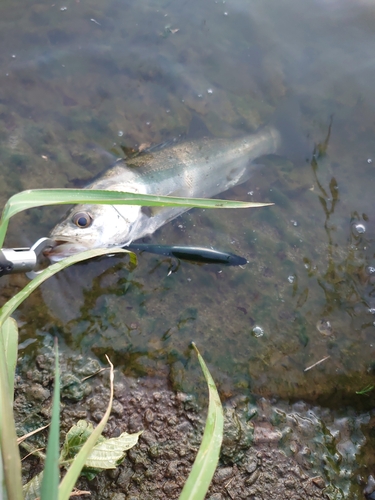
(236, 175)
(152, 211)
(148, 211)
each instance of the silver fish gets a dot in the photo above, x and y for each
(199, 169)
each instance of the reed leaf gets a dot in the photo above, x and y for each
(70, 478)
(207, 458)
(51, 473)
(9, 340)
(43, 197)
(11, 462)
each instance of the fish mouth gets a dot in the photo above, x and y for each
(62, 248)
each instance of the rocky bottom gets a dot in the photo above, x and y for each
(252, 465)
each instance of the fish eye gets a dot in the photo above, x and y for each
(82, 219)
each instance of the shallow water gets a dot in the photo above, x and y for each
(78, 79)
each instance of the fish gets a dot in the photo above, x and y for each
(199, 168)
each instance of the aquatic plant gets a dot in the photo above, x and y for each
(90, 440)
(365, 391)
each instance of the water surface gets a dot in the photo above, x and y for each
(78, 79)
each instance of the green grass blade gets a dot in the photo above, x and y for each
(38, 197)
(8, 437)
(3, 492)
(11, 462)
(207, 458)
(9, 345)
(43, 197)
(70, 478)
(15, 301)
(9, 339)
(51, 474)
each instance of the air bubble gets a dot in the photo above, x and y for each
(63, 8)
(291, 278)
(370, 270)
(250, 193)
(209, 91)
(294, 222)
(324, 327)
(120, 133)
(257, 331)
(359, 228)
(369, 160)
(371, 310)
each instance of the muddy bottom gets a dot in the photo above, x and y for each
(268, 452)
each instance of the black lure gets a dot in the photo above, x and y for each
(194, 254)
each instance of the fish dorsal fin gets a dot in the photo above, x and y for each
(129, 152)
(139, 158)
(162, 145)
(103, 154)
